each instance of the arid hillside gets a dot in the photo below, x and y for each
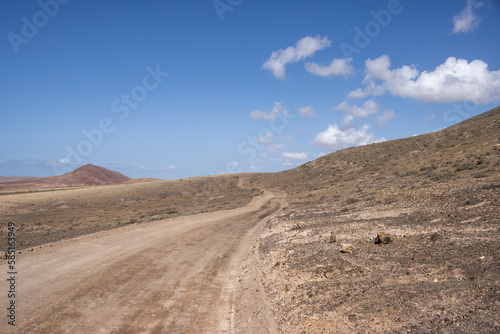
(471, 147)
(437, 195)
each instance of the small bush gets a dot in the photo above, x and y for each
(407, 173)
(351, 200)
(428, 168)
(462, 167)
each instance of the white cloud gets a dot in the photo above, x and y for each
(370, 89)
(269, 139)
(334, 138)
(307, 112)
(270, 115)
(456, 80)
(287, 164)
(295, 156)
(358, 94)
(253, 167)
(467, 20)
(63, 161)
(275, 147)
(171, 167)
(379, 68)
(353, 111)
(337, 67)
(386, 116)
(266, 139)
(263, 155)
(304, 48)
(368, 108)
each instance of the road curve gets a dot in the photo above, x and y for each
(172, 276)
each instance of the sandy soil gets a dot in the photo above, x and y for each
(182, 275)
(45, 215)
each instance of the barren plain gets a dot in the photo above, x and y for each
(178, 275)
(262, 253)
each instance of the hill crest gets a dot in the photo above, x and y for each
(87, 175)
(93, 175)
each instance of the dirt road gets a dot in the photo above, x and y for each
(182, 275)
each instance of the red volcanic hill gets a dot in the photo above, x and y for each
(88, 175)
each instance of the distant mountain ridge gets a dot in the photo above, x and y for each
(88, 175)
(13, 178)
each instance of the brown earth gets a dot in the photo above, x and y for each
(180, 275)
(44, 215)
(437, 195)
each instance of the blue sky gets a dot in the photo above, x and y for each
(174, 89)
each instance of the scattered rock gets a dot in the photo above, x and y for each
(352, 317)
(383, 238)
(3, 255)
(333, 238)
(347, 248)
(328, 274)
(420, 257)
(436, 237)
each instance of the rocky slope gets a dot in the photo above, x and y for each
(437, 195)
